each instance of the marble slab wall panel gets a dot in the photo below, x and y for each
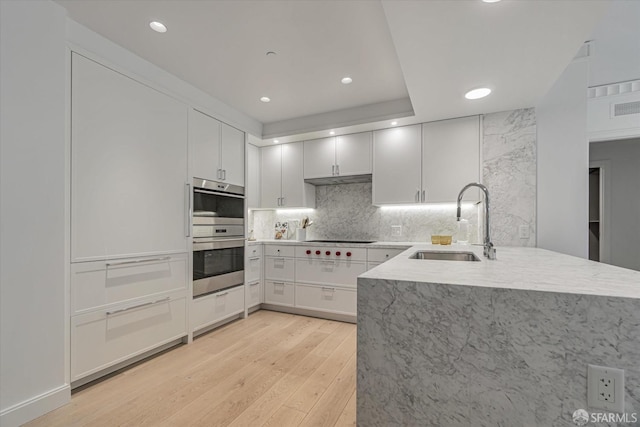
(345, 211)
(443, 355)
(509, 172)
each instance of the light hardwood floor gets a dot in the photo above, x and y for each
(271, 369)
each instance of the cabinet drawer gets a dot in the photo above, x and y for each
(279, 293)
(254, 293)
(254, 250)
(354, 254)
(329, 272)
(253, 269)
(279, 269)
(97, 284)
(335, 300)
(279, 250)
(382, 255)
(103, 338)
(215, 307)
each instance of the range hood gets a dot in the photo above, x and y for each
(340, 179)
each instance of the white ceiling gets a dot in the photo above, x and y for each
(412, 59)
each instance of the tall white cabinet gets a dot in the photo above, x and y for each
(253, 177)
(216, 149)
(427, 163)
(282, 175)
(128, 167)
(129, 220)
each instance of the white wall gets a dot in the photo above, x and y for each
(563, 164)
(624, 220)
(32, 209)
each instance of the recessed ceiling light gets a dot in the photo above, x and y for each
(394, 123)
(158, 26)
(346, 80)
(491, 1)
(477, 93)
(332, 133)
(275, 141)
(265, 99)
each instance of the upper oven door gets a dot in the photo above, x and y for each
(214, 205)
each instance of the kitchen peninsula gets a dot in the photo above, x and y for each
(503, 342)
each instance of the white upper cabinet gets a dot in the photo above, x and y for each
(128, 166)
(344, 155)
(216, 149)
(319, 158)
(353, 154)
(204, 145)
(232, 155)
(397, 165)
(282, 177)
(428, 163)
(253, 177)
(450, 159)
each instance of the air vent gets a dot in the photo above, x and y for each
(626, 108)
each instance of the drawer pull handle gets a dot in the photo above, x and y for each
(254, 284)
(324, 288)
(222, 294)
(278, 259)
(137, 261)
(144, 304)
(254, 258)
(279, 283)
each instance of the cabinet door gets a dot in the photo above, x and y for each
(295, 192)
(319, 158)
(232, 154)
(128, 166)
(271, 173)
(397, 165)
(204, 146)
(451, 159)
(252, 189)
(353, 153)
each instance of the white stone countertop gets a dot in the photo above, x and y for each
(516, 268)
(379, 245)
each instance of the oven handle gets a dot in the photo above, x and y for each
(137, 261)
(216, 193)
(218, 244)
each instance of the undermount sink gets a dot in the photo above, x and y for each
(445, 256)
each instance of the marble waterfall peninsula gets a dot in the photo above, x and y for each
(492, 343)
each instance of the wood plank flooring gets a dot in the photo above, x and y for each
(272, 369)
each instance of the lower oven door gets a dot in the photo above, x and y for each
(217, 264)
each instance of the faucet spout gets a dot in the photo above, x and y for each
(489, 250)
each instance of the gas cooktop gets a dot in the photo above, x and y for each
(341, 241)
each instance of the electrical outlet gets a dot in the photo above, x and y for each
(605, 388)
(396, 231)
(523, 231)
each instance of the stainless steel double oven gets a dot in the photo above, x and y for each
(218, 236)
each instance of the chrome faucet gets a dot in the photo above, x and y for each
(489, 250)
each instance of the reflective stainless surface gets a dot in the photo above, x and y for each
(217, 186)
(207, 218)
(489, 250)
(215, 283)
(207, 243)
(445, 256)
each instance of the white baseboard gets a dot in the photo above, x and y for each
(35, 407)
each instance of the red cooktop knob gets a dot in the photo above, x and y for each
(317, 252)
(348, 253)
(327, 253)
(308, 252)
(338, 253)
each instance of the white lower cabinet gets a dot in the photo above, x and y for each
(329, 271)
(279, 293)
(103, 338)
(326, 298)
(210, 309)
(254, 293)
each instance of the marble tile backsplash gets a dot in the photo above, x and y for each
(345, 211)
